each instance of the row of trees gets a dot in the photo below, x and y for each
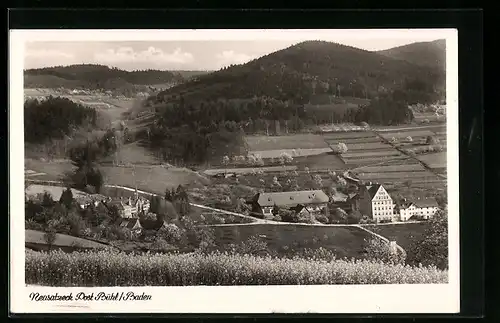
(96, 75)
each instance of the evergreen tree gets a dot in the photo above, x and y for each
(67, 198)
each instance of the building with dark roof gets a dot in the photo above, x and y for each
(132, 224)
(313, 201)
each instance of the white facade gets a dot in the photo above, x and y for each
(382, 205)
(414, 210)
(267, 210)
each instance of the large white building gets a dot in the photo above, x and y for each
(376, 203)
(423, 208)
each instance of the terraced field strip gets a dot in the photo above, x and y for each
(296, 141)
(353, 140)
(424, 175)
(434, 160)
(368, 146)
(374, 160)
(348, 135)
(436, 180)
(391, 168)
(298, 152)
(249, 170)
(404, 134)
(368, 154)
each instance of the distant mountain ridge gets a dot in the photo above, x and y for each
(94, 76)
(430, 54)
(304, 70)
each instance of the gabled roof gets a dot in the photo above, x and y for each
(426, 202)
(339, 197)
(291, 198)
(130, 223)
(420, 203)
(373, 189)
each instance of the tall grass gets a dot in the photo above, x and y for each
(111, 268)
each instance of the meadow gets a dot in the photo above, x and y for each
(108, 268)
(435, 160)
(348, 241)
(405, 235)
(296, 141)
(36, 238)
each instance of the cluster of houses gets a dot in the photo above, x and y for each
(372, 201)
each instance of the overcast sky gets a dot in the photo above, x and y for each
(171, 55)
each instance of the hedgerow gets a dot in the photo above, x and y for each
(112, 268)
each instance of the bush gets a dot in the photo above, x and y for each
(322, 218)
(161, 244)
(120, 269)
(377, 249)
(432, 247)
(170, 233)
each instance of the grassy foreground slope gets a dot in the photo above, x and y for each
(108, 268)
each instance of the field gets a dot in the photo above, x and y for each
(342, 136)
(217, 269)
(294, 152)
(399, 176)
(343, 241)
(403, 134)
(405, 235)
(148, 178)
(371, 154)
(297, 141)
(53, 170)
(62, 240)
(151, 178)
(249, 170)
(55, 191)
(436, 160)
(367, 146)
(391, 168)
(320, 162)
(427, 117)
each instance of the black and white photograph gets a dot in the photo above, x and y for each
(235, 159)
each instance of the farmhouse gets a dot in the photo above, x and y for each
(374, 202)
(131, 207)
(346, 202)
(311, 201)
(418, 209)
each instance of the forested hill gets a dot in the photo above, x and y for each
(431, 54)
(91, 76)
(306, 69)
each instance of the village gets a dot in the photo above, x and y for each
(371, 201)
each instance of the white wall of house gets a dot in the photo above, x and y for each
(424, 212)
(382, 205)
(315, 209)
(267, 210)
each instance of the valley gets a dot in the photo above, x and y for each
(280, 156)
